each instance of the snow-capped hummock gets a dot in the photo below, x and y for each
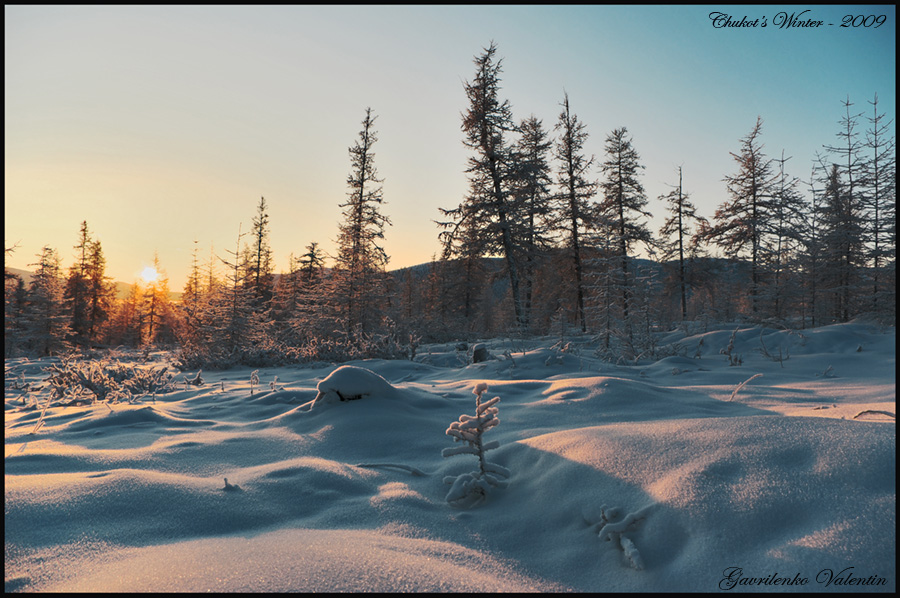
(348, 383)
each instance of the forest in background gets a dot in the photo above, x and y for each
(539, 245)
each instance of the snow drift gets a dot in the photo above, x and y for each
(651, 476)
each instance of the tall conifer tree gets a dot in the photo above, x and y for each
(575, 193)
(76, 292)
(259, 264)
(535, 202)
(676, 233)
(783, 238)
(845, 195)
(740, 222)
(881, 210)
(359, 276)
(623, 207)
(485, 222)
(101, 291)
(46, 322)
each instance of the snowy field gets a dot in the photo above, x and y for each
(650, 477)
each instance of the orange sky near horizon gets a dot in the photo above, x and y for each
(162, 126)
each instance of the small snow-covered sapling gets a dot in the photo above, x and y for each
(469, 489)
(728, 351)
(612, 528)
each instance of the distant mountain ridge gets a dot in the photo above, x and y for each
(723, 266)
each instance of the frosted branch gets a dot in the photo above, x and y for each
(742, 384)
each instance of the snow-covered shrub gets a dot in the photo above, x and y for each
(698, 354)
(273, 385)
(469, 489)
(413, 345)
(263, 350)
(340, 347)
(69, 378)
(508, 355)
(828, 373)
(18, 382)
(560, 350)
(780, 358)
(462, 354)
(612, 527)
(728, 351)
(147, 381)
(195, 381)
(193, 356)
(348, 383)
(106, 380)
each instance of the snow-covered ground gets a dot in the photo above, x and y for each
(654, 476)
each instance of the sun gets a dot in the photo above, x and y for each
(149, 274)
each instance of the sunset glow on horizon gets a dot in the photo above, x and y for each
(162, 126)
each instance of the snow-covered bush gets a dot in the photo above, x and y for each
(560, 350)
(70, 378)
(348, 383)
(273, 385)
(469, 489)
(105, 380)
(780, 358)
(147, 381)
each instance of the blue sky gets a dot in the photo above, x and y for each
(164, 125)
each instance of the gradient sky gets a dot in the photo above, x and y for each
(163, 125)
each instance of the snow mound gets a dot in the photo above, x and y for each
(302, 560)
(348, 383)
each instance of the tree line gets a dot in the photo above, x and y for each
(539, 244)
(825, 257)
